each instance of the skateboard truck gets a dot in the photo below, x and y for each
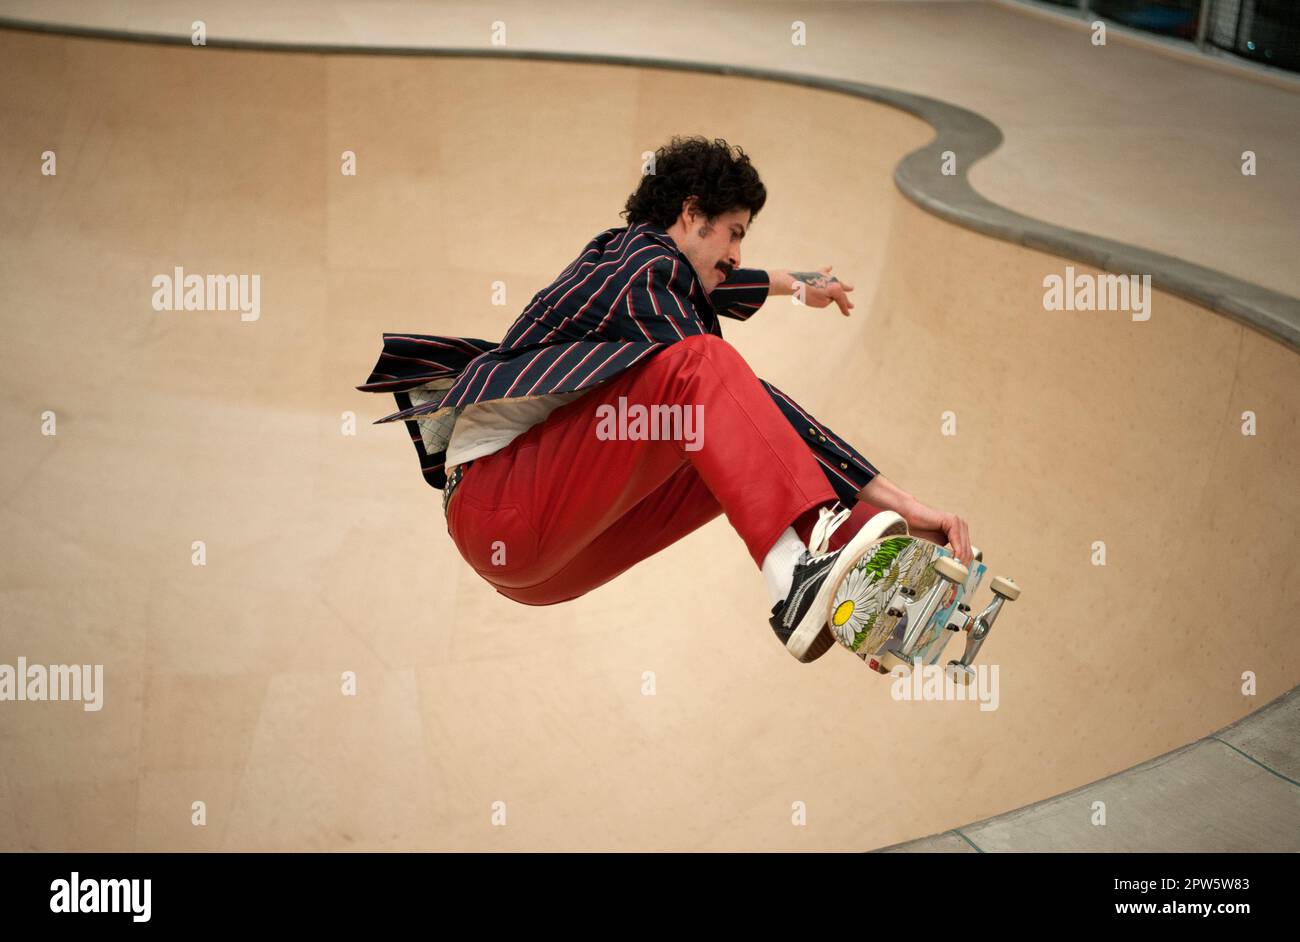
(918, 612)
(978, 628)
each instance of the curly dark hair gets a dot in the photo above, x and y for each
(693, 166)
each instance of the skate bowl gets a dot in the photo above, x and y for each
(196, 499)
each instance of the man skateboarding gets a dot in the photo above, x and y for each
(613, 419)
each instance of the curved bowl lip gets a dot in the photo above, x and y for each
(917, 175)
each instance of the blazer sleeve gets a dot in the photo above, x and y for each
(742, 293)
(657, 304)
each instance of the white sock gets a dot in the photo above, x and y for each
(779, 563)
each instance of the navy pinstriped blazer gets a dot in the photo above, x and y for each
(630, 293)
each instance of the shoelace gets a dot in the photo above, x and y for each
(828, 522)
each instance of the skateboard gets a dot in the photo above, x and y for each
(905, 598)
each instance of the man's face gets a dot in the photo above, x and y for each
(713, 246)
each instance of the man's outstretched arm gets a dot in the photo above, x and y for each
(746, 289)
(814, 288)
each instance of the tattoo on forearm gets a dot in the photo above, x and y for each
(814, 279)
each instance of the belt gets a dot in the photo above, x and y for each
(453, 481)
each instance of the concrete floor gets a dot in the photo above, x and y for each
(1236, 791)
(326, 552)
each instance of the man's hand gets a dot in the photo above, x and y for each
(937, 526)
(819, 288)
(940, 527)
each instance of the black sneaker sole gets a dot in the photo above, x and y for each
(820, 645)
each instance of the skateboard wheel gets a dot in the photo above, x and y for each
(960, 673)
(889, 661)
(977, 553)
(1005, 588)
(951, 570)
